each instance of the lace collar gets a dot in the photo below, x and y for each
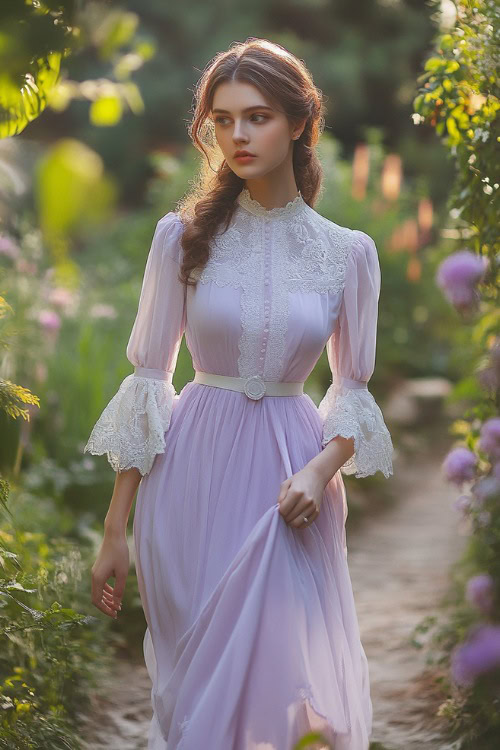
(254, 207)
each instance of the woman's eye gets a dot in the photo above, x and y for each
(220, 119)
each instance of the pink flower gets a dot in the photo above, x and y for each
(489, 440)
(103, 311)
(8, 247)
(460, 465)
(457, 276)
(26, 266)
(479, 592)
(61, 297)
(49, 320)
(479, 654)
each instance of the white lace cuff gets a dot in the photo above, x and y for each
(131, 429)
(353, 412)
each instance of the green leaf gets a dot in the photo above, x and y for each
(106, 111)
(434, 64)
(451, 127)
(19, 105)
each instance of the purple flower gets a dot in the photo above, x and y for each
(479, 654)
(485, 488)
(462, 504)
(460, 465)
(488, 379)
(479, 592)
(457, 276)
(489, 440)
(496, 470)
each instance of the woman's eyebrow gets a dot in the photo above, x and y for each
(247, 109)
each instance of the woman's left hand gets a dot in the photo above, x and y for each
(301, 495)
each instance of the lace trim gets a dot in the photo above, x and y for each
(354, 413)
(131, 429)
(257, 209)
(304, 253)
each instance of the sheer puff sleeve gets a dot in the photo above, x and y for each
(131, 428)
(348, 408)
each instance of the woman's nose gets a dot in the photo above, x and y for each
(239, 132)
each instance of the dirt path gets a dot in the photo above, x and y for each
(399, 564)
(398, 560)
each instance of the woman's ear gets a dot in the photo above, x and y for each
(298, 130)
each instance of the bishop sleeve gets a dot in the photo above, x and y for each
(348, 408)
(131, 428)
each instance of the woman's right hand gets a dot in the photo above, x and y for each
(112, 560)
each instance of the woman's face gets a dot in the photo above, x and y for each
(244, 120)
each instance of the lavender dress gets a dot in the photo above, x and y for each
(252, 636)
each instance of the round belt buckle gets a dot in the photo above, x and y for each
(255, 387)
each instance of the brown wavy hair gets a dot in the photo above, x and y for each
(282, 78)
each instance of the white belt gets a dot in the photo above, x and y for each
(254, 386)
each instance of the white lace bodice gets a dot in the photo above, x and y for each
(280, 284)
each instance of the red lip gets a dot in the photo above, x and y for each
(242, 153)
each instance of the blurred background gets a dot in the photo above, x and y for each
(95, 99)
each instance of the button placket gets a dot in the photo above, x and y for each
(267, 278)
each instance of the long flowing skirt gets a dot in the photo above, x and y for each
(252, 637)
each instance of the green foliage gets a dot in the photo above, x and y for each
(311, 740)
(37, 37)
(11, 394)
(71, 188)
(51, 652)
(34, 38)
(459, 97)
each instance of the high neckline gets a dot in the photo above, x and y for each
(254, 207)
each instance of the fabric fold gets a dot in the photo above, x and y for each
(315, 667)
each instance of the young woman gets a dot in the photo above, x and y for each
(239, 528)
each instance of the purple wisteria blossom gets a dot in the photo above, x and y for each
(479, 654)
(457, 276)
(460, 465)
(479, 592)
(489, 439)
